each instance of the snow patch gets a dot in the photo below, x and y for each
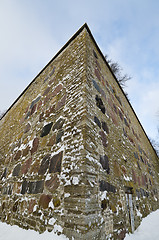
(75, 180)
(9, 232)
(52, 221)
(147, 230)
(30, 143)
(35, 208)
(67, 195)
(51, 205)
(104, 195)
(57, 228)
(48, 177)
(139, 213)
(126, 178)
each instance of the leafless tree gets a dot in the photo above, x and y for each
(117, 70)
(155, 145)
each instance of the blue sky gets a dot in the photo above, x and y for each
(32, 31)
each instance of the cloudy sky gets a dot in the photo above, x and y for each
(32, 32)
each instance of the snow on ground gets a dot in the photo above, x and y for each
(148, 230)
(8, 232)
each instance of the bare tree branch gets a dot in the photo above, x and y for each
(155, 145)
(117, 70)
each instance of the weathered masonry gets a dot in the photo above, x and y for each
(74, 157)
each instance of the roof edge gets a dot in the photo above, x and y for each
(84, 26)
(55, 56)
(119, 86)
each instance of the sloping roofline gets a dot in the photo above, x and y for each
(56, 55)
(85, 26)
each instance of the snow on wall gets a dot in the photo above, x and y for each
(74, 158)
(119, 155)
(41, 137)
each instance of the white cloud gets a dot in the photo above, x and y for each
(144, 98)
(25, 46)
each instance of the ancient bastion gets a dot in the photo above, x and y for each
(74, 157)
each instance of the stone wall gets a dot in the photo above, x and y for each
(122, 160)
(74, 157)
(41, 143)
